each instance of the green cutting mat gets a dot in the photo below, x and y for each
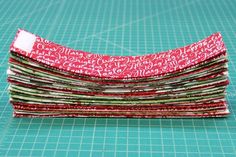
(118, 27)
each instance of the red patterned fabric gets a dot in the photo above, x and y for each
(123, 67)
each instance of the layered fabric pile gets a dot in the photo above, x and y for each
(50, 80)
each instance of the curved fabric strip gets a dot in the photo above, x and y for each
(115, 67)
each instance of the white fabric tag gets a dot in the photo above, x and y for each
(25, 41)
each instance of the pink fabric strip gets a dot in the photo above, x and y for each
(119, 67)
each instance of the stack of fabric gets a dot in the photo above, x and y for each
(50, 80)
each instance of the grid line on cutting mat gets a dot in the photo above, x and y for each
(118, 28)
